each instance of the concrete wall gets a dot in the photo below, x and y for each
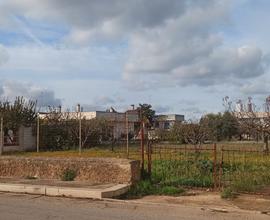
(94, 170)
(27, 140)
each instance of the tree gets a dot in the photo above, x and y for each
(20, 112)
(60, 130)
(221, 126)
(147, 114)
(230, 126)
(255, 123)
(93, 131)
(194, 133)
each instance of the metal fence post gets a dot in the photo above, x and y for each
(1, 136)
(80, 128)
(127, 130)
(38, 123)
(142, 145)
(149, 157)
(220, 169)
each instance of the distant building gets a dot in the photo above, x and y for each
(167, 121)
(118, 121)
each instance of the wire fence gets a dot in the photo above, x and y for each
(213, 166)
(218, 167)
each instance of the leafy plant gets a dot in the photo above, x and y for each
(228, 193)
(68, 175)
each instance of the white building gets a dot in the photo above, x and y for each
(167, 121)
(120, 122)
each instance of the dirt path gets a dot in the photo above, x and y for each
(212, 200)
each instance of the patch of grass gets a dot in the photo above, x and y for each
(183, 173)
(148, 187)
(228, 193)
(170, 190)
(68, 175)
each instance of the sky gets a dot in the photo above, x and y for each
(182, 57)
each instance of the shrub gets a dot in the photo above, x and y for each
(68, 175)
(148, 187)
(228, 193)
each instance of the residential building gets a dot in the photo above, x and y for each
(167, 121)
(120, 122)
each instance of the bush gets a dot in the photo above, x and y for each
(148, 187)
(228, 193)
(68, 175)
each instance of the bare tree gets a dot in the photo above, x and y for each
(194, 133)
(255, 123)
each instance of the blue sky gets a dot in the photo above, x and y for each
(180, 56)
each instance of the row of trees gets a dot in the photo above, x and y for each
(211, 127)
(60, 131)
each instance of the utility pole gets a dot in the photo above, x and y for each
(38, 122)
(80, 128)
(127, 130)
(1, 136)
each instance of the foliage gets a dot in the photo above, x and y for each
(68, 175)
(254, 124)
(221, 126)
(149, 187)
(60, 131)
(147, 114)
(20, 112)
(193, 132)
(227, 193)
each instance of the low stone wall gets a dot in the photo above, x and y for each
(94, 170)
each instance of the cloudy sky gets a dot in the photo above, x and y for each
(182, 56)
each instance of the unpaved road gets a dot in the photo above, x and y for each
(30, 207)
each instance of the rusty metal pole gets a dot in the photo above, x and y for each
(38, 131)
(1, 136)
(142, 141)
(220, 168)
(149, 157)
(215, 166)
(80, 128)
(127, 130)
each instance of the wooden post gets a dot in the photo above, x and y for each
(1, 136)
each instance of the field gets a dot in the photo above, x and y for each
(231, 167)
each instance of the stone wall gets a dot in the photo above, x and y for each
(94, 170)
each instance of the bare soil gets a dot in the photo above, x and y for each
(212, 200)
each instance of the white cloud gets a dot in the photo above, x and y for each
(44, 97)
(62, 62)
(169, 43)
(187, 50)
(258, 87)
